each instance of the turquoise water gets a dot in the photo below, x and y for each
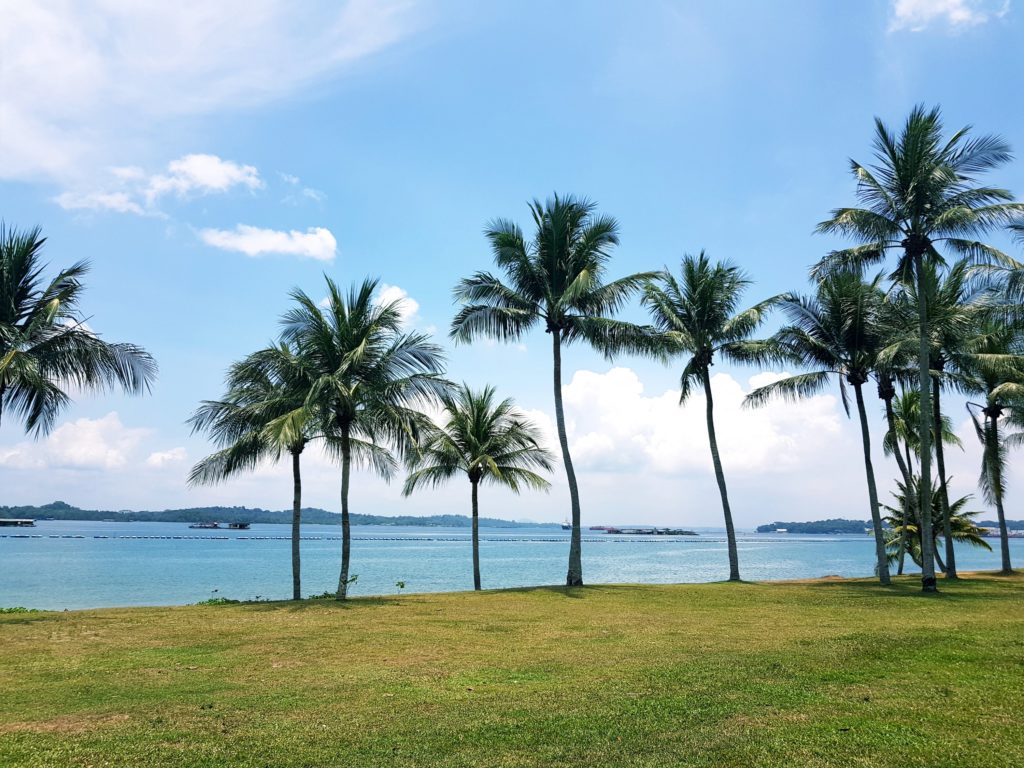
(71, 564)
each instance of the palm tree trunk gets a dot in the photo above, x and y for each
(928, 583)
(296, 529)
(996, 481)
(940, 460)
(890, 420)
(476, 537)
(938, 560)
(346, 538)
(574, 577)
(876, 518)
(730, 531)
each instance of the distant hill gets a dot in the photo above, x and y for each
(59, 510)
(837, 525)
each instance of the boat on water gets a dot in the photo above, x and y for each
(651, 531)
(238, 526)
(566, 525)
(206, 526)
(17, 522)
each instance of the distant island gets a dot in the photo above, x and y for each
(836, 525)
(842, 525)
(59, 510)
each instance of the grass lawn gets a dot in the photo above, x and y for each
(836, 673)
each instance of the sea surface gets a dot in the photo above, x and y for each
(73, 564)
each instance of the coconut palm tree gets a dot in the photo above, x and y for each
(908, 534)
(555, 280)
(368, 378)
(261, 417)
(487, 442)
(697, 318)
(998, 376)
(46, 346)
(921, 194)
(836, 333)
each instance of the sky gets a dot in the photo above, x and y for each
(208, 158)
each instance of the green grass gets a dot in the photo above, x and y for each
(830, 673)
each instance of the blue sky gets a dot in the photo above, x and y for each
(208, 160)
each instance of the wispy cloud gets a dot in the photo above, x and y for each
(918, 15)
(83, 81)
(315, 243)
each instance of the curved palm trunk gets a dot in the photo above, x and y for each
(996, 481)
(574, 577)
(730, 532)
(940, 460)
(928, 583)
(296, 530)
(346, 538)
(890, 420)
(876, 518)
(476, 537)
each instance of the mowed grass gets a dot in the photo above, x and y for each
(830, 673)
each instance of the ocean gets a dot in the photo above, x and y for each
(70, 564)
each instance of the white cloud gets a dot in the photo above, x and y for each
(408, 307)
(315, 243)
(160, 459)
(614, 426)
(918, 15)
(86, 83)
(89, 444)
(132, 190)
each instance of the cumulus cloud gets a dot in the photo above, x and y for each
(614, 425)
(315, 243)
(83, 81)
(84, 444)
(160, 459)
(408, 307)
(918, 15)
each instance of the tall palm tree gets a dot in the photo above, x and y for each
(487, 442)
(261, 417)
(697, 318)
(46, 346)
(555, 280)
(1002, 386)
(368, 378)
(923, 193)
(836, 333)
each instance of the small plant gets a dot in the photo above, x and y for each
(19, 609)
(400, 584)
(218, 601)
(328, 595)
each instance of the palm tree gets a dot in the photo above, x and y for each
(262, 416)
(837, 333)
(905, 536)
(556, 279)
(367, 379)
(488, 442)
(1002, 386)
(697, 318)
(46, 346)
(921, 193)
(903, 416)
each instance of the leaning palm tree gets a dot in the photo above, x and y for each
(46, 346)
(485, 441)
(923, 193)
(697, 318)
(555, 280)
(367, 380)
(836, 333)
(261, 417)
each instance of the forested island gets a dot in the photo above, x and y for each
(60, 510)
(835, 525)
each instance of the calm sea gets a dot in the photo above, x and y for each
(70, 564)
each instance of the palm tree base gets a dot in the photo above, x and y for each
(929, 584)
(574, 582)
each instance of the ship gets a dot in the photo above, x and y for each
(206, 526)
(566, 525)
